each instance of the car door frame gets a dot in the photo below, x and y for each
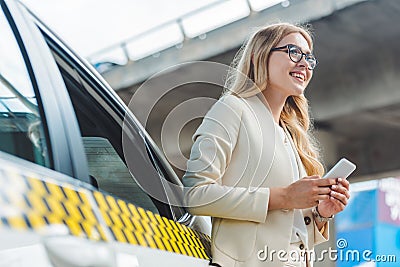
(65, 145)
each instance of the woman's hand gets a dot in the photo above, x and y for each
(308, 192)
(302, 194)
(339, 197)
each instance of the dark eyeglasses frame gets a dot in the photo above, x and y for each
(286, 49)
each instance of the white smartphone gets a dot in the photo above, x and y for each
(343, 168)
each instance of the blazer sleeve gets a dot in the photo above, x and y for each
(214, 142)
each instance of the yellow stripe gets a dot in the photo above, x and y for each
(127, 222)
(91, 231)
(203, 254)
(183, 250)
(100, 231)
(138, 226)
(173, 225)
(188, 249)
(73, 211)
(106, 217)
(17, 222)
(143, 215)
(54, 219)
(124, 208)
(74, 227)
(196, 242)
(37, 186)
(159, 242)
(88, 214)
(166, 223)
(131, 237)
(119, 235)
(185, 240)
(147, 228)
(116, 220)
(178, 236)
(36, 203)
(159, 219)
(164, 233)
(151, 217)
(141, 239)
(71, 195)
(100, 200)
(167, 244)
(175, 247)
(181, 228)
(155, 229)
(55, 191)
(36, 220)
(150, 240)
(113, 204)
(56, 208)
(194, 251)
(134, 211)
(171, 234)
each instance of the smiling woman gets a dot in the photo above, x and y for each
(253, 166)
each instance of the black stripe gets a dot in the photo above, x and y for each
(4, 221)
(27, 201)
(62, 190)
(26, 219)
(26, 181)
(81, 212)
(134, 236)
(80, 197)
(65, 208)
(47, 204)
(46, 188)
(115, 238)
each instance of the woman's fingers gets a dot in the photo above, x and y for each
(324, 190)
(341, 189)
(341, 197)
(344, 183)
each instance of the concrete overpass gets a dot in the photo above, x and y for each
(354, 95)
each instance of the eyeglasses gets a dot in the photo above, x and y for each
(296, 54)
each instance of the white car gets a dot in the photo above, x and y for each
(67, 197)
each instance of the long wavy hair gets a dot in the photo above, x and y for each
(248, 76)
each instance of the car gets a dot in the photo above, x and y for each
(81, 181)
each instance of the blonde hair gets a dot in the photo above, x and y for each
(248, 76)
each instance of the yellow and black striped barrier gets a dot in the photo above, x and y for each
(37, 203)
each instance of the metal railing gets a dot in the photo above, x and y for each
(122, 46)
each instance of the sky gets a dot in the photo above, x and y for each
(89, 26)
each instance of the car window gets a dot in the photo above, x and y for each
(21, 124)
(111, 173)
(101, 131)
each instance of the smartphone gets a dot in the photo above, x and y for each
(343, 168)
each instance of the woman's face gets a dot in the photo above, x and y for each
(285, 76)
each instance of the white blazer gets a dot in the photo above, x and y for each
(236, 157)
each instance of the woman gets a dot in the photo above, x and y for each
(254, 167)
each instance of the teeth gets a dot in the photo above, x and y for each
(297, 75)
